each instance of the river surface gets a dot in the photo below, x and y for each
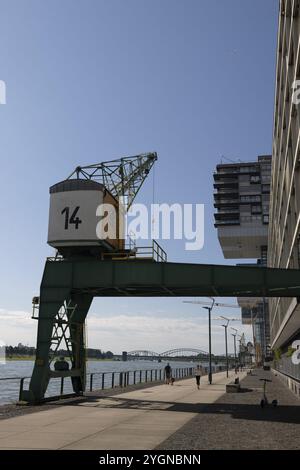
(9, 389)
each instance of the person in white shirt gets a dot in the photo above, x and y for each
(198, 373)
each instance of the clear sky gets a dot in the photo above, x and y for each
(92, 80)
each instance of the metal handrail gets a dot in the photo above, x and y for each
(149, 375)
(137, 376)
(154, 252)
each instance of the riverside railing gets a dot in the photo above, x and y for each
(122, 379)
(108, 380)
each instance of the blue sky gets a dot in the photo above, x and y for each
(88, 81)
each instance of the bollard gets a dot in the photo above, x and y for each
(62, 386)
(21, 388)
(113, 380)
(103, 380)
(91, 382)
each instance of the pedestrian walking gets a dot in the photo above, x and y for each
(198, 373)
(168, 373)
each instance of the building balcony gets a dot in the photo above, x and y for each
(228, 183)
(226, 202)
(227, 171)
(228, 212)
(226, 189)
(229, 222)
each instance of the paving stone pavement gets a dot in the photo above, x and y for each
(137, 419)
(13, 409)
(236, 420)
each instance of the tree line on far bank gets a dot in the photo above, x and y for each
(22, 350)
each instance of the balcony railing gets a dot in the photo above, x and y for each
(221, 191)
(221, 202)
(227, 222)
(227, 211)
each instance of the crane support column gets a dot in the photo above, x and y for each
(49, 306)
(81, 304)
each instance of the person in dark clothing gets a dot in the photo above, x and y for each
(168, 373)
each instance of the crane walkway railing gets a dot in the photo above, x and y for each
(152, 252)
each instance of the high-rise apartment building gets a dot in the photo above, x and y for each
(242, 194)
(284, 227)
(242, 197)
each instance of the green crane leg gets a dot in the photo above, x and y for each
(41, 371)
(77, 334)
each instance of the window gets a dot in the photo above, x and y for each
(256, 209)
(265, 209)
(265, 219)
(266, 167)
(266, 178)
(265, 188)
(255, 179)
(250, 198)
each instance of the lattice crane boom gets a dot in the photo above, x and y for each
(122, 177)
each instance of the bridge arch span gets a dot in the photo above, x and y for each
(143, 353)
(184, 352)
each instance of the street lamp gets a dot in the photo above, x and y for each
(226, 344)
(240, 351)
(234, 337)
(209, 309)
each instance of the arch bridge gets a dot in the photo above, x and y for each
(184, 352)
(171, 353)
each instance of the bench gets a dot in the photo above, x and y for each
(233, 387)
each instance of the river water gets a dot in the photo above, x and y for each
(9, 389)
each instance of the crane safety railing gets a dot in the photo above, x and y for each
(155, 252)
(152, 252)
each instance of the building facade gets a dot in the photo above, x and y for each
(284, 227)
(241, 199)
(255, 312)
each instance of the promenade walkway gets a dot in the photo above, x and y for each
(140, 419)
(236, 421)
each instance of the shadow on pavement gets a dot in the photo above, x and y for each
(253, 412)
